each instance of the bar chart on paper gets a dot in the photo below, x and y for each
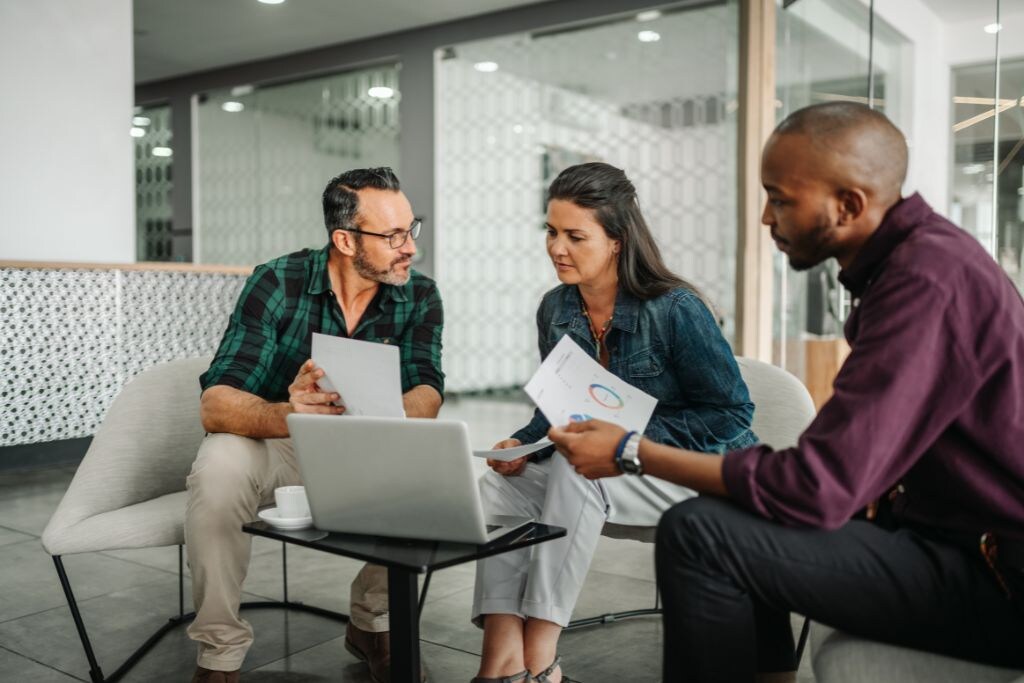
(570, 386)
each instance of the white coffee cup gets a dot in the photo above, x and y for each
(291, 502)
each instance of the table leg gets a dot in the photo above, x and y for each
(405, 626)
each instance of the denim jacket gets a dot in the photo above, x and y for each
(670, 347)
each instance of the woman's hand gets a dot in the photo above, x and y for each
(512, 467)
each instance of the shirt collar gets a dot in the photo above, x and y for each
(901, 219)
(624, 317)
(320, 280)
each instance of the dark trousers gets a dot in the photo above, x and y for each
(729, 580)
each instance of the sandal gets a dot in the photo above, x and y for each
(543, 676)
(523, 676)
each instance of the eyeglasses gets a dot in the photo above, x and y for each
(395, 239)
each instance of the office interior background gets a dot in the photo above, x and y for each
(154, 152)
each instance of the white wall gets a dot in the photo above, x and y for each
(66, 173)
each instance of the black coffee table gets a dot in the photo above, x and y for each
(405, 559)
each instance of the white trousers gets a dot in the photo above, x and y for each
(544, 581)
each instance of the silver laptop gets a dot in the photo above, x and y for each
(404, 477)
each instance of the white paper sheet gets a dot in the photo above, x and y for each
(570, 386)
(366, 374)
(506, 454)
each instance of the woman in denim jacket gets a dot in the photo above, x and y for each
(621, 304)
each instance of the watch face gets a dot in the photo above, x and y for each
(630, 466)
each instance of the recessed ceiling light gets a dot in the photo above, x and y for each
(649, 15)
(648, 36)
(137, 132)
(993, 28)
(381, 92)
(271, 2)
(162, 151)
(232, 106)
(140, 120)
(486, 67)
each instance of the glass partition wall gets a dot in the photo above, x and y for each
(652, 93)
(942, 73)
(264, 155)
(155, 238)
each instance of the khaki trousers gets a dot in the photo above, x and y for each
(231, 478)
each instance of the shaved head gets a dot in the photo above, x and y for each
(852, 146)
(832, 171)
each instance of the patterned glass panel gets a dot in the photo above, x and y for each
(265, 155)
(151, 129)
(654, 97)
(93, 330)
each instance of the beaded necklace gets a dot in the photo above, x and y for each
(599, 335)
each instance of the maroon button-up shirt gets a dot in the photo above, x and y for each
(931, 396)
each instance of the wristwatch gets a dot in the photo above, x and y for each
(629, 462)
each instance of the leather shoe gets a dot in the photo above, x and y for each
(375, 650)
(372, 648)
(210, 676)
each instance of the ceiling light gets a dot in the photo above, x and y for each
(137, 132)
(993, 28)
(648, 36)
(232, 106)
(140, 120)
(649, 15)
(162, 151)
(381, 92)
(271, 2)
(486, 67)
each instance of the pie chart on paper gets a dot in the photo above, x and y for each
(605, 396)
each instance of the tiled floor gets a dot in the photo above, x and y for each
(125, 595)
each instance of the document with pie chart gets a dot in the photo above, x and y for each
(570, 386)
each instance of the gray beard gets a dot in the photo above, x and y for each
(387, 276)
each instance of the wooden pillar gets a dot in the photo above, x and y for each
(756, 121)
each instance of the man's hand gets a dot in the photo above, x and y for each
(305, 396)
(589, 447)
(510, 468)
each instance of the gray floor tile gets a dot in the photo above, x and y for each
(120, 621)
(622, 651)
(331, 662)
(14, 667)
(8, 536)
(31, 583)
(625, 558)
(28, 499)
(314, 577)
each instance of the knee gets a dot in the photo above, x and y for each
(694, 526)
(223, 469)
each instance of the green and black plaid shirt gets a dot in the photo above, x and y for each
(286, 300)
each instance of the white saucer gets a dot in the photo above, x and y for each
(271, 517)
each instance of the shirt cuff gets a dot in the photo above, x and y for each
(738, 472)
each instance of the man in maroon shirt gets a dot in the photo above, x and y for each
(926, 427)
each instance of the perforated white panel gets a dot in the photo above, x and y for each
(70, 339)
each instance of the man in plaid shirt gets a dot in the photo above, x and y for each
(361, 286)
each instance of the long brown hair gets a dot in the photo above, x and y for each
(607, 191)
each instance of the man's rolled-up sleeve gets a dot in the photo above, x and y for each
(246, 352)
